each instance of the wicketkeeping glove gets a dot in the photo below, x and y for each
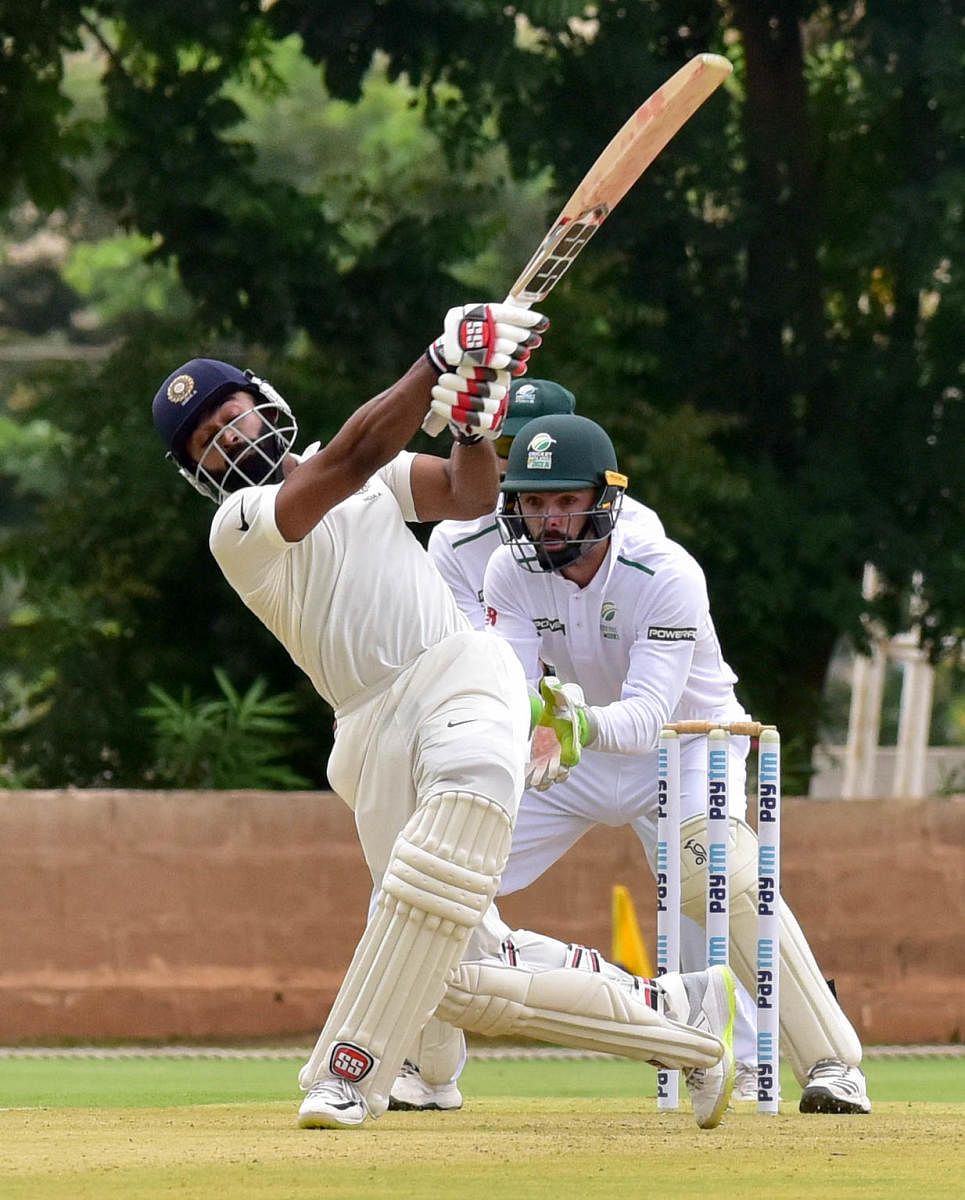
(545, 766)
(500, 336)
(566, 713)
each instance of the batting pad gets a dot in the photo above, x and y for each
(812, 1023)
(571, 1008)
(442, 877)
(439, 1052)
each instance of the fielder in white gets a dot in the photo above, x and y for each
(433, 718)
(621, 622)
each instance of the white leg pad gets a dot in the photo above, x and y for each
(571, 1008)
(442, 877)
(440, 1051)
(812, 1023)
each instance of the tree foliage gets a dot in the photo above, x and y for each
(769, 325)
(234, 741)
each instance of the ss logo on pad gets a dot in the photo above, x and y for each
(350, 1062)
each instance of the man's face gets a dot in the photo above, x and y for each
(212, 452)
(554, 518)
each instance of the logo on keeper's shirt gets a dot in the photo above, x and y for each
(666, 633)
(549, 625)
(608, 616)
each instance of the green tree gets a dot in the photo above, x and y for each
(769, 324)
(234, 741)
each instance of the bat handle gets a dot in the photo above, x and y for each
(433, 424)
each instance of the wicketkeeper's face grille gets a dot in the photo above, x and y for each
(548, 532)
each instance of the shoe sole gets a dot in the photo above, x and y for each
(326, 1121)
(406, 1106)
(822, 1100)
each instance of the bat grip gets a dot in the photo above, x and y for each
(433, 424)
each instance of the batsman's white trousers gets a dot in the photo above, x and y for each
(455, 720)
(617, 790)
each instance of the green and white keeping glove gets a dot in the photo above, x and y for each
(566, 713)
(545, 767)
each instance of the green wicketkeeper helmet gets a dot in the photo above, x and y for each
(559, 453)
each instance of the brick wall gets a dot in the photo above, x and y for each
(233, 914)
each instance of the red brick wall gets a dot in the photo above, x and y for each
(233, 914)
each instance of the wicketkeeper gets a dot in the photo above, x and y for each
(614, 627)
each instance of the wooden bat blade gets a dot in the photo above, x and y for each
(627, 155)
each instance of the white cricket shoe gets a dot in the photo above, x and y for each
(713, 1007)
(332, 1103)
(834, 1087)
(411, 1093)
(745, 1082)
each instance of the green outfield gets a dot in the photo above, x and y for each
(147, 1128)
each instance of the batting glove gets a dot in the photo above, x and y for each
(565, 712)
(500, 336)
(472, 401)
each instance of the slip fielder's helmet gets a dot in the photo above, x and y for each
(200, 385)
(559, 453)
(530, 398)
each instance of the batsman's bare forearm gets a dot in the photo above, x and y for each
(474, 471)
(375, 433)
(372, 436)
(458, 488)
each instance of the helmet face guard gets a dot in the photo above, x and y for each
(194, 390)
(526, 535)
(559, 452)
(251, 460)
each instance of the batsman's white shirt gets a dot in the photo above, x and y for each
(422, 703)
(462, 550)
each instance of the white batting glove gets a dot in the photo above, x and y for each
(545, 767)
(473, 401)
(566, 713)
(500, 336)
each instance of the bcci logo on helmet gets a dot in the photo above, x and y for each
(180, 389)
(539, 452)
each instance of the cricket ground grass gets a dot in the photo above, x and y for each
(149, 1128)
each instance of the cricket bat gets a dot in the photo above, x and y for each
(630, 151)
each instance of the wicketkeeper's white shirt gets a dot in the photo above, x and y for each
(462, 549)
(639, 638)
(357, 565)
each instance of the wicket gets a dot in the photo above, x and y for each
(718, 881)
